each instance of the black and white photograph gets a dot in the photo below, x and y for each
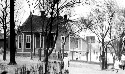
(62, 36)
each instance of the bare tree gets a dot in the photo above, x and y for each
(119, 33)
(101, 23)
(53, 10)
(4, 20)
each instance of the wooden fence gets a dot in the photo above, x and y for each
(54, 67)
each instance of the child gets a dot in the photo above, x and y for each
(116, 65)
(123, 61)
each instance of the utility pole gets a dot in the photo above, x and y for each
(31, 54)
(31, 37)
(42, 33)
(12, 35)
(4, 27)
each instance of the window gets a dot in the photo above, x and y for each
(90, 39)
(77, 42)
(19, 41)
(62, 41)
(28, 41)
(74, 43)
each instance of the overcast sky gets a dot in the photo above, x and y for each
(77, 12)
(84, 10)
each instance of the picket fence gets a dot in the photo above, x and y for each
(53, 68)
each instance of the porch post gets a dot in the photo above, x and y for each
(23, 42)
(78, 44)
(69, 43)
(33, 45)
(81, 49)
(40, 40)
(43, 46)
(43, 42)
(40, 49)
(35, 41)
(81, 44)
(90, 49)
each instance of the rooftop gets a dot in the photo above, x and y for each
(38, 23)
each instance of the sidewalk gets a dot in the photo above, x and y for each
(92, 62)
(75, 67)
(86, 68)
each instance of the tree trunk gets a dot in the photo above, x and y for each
(103, 55)
(12, 45)
(46, 61)
(49, 38)
(106, 58)
(12, 35)
(4, 55)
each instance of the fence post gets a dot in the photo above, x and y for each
(39, 69)
(16, 71)
(25, 69)
(21, 71)
(28, 72)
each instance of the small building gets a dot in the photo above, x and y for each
(1, 40)
(38, 38)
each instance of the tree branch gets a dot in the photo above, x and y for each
(113, 47)
(2, 20)
(106, 32)
(96, 35)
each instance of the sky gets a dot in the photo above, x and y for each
(78, 11)
(84, 10)
(25, 12)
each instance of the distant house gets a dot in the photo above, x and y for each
(94, 49)
(2, 41)
(78, 48)
(24, 36)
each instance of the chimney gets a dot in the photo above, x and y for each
(42, 13)
(65, 18)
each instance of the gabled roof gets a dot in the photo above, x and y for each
(38, 22)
